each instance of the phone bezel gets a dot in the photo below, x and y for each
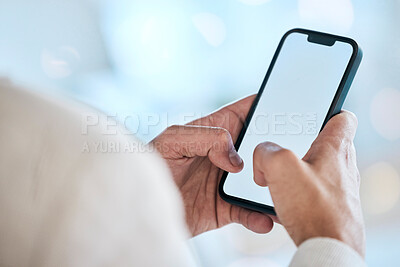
(335, 108)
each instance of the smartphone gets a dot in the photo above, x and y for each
(306, 84)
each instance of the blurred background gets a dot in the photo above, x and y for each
(183, 59)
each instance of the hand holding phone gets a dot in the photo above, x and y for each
(317, 196)
(305, 85)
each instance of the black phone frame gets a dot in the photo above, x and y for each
(335, 108)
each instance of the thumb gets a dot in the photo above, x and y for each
(270, 163)
(252, 220)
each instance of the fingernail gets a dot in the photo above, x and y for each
(235, 159)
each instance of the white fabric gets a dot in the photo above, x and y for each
(76, 196)
(61, 205)
(326, 252)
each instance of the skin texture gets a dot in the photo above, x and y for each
(197, 154)
(317, 196)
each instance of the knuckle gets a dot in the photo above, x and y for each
(354, 118)
(285, 155)
(257, 153)
(269, 146)
(259, 147)
(259, 150)
(223, 135)
(174, 128)
(351, 117)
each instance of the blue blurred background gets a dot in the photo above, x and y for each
(181, 59)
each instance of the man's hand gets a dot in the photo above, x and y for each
(317, 196)
(197, 154)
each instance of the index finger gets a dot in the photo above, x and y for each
(343, 125)
(239, 109)
(337, 135)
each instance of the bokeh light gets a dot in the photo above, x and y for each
(380, 187)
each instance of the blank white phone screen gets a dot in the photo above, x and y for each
(292, 108)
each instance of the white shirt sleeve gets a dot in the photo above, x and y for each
(326, 252)
(77, 193)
